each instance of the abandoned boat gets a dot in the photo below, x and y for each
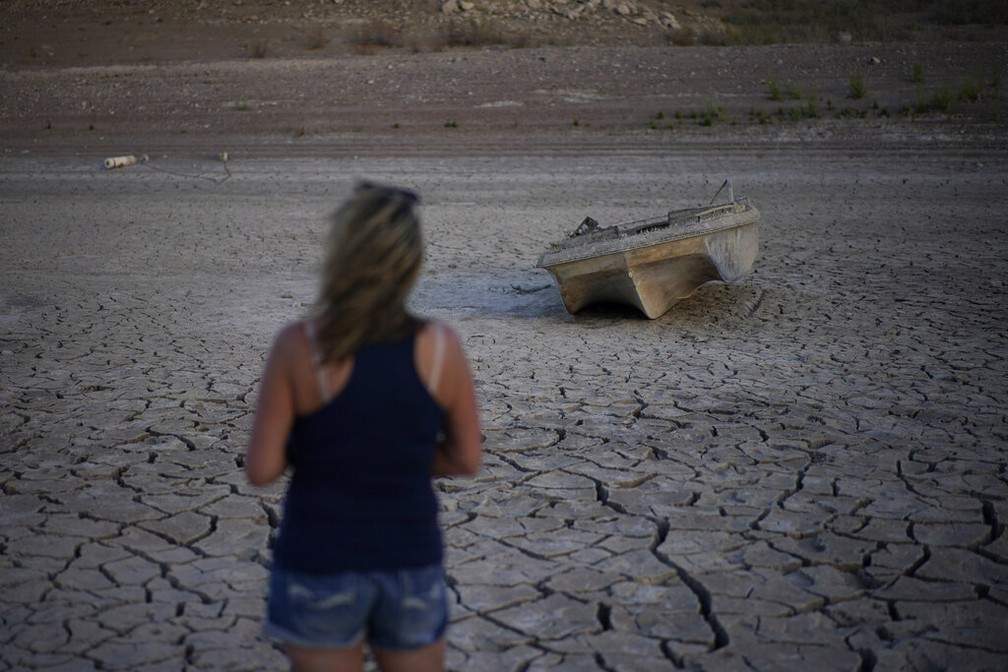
(654, 263)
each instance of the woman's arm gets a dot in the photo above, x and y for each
(461, 453)
(266, 459)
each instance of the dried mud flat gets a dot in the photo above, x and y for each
(806, 469)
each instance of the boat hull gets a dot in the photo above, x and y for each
(654, 277)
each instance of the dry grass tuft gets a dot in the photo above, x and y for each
(258, 48)
(369, 36)
(317, 38)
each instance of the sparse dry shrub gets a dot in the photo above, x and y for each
(468, 32)
(518, 40)
(377, 33)
(425, 41)
(317, 38)
(857, 85)
(684, 37)
(472, 33)
(962, 12)
(258, 48)
(718, 38)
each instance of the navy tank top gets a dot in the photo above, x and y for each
(360, 496)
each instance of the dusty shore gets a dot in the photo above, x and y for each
(521, 100)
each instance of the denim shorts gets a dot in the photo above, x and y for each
(395, 610)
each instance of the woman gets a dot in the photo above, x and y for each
(366, 403)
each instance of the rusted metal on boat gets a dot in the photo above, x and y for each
(654, 263)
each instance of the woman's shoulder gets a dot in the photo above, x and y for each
(293, 331)
(292, 337)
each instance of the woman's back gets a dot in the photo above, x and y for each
(362, 467)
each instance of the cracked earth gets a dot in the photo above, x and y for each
(803, 470)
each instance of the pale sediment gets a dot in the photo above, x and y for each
(803, 470)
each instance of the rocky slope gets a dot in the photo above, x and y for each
(36, 33)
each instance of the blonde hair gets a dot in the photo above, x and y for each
(373, 258)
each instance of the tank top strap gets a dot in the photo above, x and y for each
(323, 385)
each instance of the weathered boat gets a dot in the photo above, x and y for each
(654, 263)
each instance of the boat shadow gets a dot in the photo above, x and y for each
(714, 303)
(533, 296)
